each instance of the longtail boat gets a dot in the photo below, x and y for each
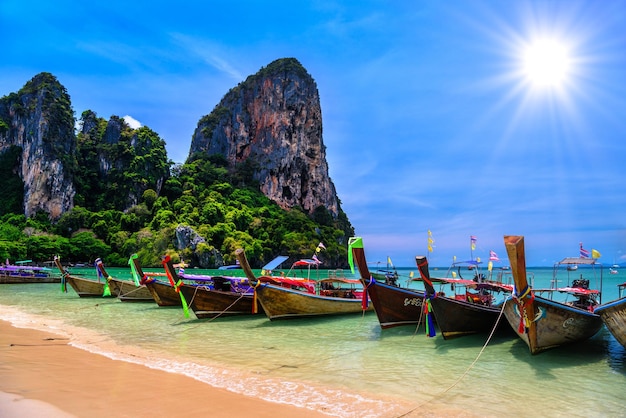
(284, 297)
(468, 312)
(164, 292)
(613, 315)
(543, 323)
(84, 287)
(21, 272)
(394, 306)
(125, 290)
(220, 296)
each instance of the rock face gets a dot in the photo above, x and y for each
(39, 120)
(273, 120)
(202, 256)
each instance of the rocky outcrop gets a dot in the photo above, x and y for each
(39, 120)
(202, 255)
(273, 121)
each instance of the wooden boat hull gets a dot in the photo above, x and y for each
(128, 291)
(86, 288)
(19, 279)
(283, 303)
(556, 324)
(207, 303)
(613, 315)
(163, 293)
(395, 306)
(456, 318)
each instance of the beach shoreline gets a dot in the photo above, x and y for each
(42, 375)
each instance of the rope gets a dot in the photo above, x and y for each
(241, 295)
(419, 322)
(128, 293)
(495, 326)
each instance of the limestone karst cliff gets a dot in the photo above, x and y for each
(274, 120)
(39, 121)
(112, 189)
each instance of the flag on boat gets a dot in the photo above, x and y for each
(583, 253)
(353, 242)
(493, 256)
(317, 260)
(321, 245)
(595, 253)
(389, 263)
(431, 241)
(473, 242)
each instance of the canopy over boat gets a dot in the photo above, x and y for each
(489, 285)
(230, 267)
(275, 262)
(306, 262)
(577, 260)
(341, 280)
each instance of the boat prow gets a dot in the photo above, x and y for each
(540, 322)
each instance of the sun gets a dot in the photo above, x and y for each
(546, 63)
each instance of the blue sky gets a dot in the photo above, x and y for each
(431, 118)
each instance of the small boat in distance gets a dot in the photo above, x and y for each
(230, 267)
(23, 272)
(388, 276)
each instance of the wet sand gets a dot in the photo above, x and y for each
(42, 375)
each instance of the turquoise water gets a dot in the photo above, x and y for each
(345, 366)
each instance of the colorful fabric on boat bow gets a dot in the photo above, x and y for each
(422, 267)
(524, 300)
(428, 314)
(107, 289)
(183, 301)
(175, 285)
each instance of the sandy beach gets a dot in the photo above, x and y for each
(42, 375)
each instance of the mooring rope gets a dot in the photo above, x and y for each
(241, 295)
(419, 321)
(468, 369)
(128, 293)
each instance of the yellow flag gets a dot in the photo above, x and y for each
(595, 253)
(431, 241)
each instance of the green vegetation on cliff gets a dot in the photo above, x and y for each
(223, 205)
(199, 194)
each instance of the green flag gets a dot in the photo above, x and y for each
(353, 242)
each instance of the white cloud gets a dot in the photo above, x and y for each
(132, 122)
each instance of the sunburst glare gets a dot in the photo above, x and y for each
(546, 63)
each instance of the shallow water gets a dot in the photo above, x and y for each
(345, 366)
